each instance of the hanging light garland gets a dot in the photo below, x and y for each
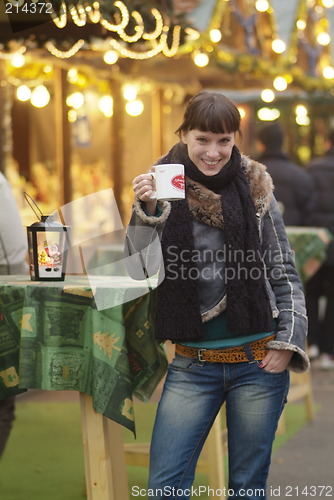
(157, 39)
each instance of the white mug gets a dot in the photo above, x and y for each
(169, 182)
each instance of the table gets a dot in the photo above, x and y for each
(309, 245)
(89, 334)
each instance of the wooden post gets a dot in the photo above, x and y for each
(62, 138)
(157, 124)
(117, 144)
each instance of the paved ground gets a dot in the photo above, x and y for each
(304, 466)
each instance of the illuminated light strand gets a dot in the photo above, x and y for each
(159, 26)
(10, 55)
(170, 52)
(139, 55)
(64, 54)
(79, 15)
(61, 20)
(139, 28)
(124, 22)
(94, 13)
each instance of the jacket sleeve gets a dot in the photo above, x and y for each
(143, 255)
(286, 287)
(13, 241)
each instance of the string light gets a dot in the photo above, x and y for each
(134, 108)
(40, 96)
(301, 110)
(323, 38)
(328, 3)
(267, 95)
(201, 59)
(280, 83)
(278, 46)
(262, 5)
(130, 91)
(64, 54)
(215, 35)
(328, 72)
(110, 57)
(23, 93)
(106, 105)
(268, 114)
(17, 60)
(75, 100)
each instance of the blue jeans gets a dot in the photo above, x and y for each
(193, 394)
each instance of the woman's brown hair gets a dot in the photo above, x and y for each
(210, 112)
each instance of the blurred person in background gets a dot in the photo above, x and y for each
(293, 187)
(321, 326)
(13, 252)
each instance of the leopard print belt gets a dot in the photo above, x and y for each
(253, 351)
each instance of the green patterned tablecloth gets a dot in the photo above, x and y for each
(309, 245)
(53, 337)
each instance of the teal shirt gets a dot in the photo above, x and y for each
(217, 335)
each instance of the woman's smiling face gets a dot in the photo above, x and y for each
(209, 151)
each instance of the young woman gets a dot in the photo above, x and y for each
(230, 299)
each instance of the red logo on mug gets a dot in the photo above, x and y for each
(178, 181)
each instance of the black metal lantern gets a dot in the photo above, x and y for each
(47, 246)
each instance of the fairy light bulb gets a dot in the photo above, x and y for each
(327, 3)
(75, 100)
(106, 105)
(328, 72)
(40, 96)
(323, 38)
(134, 108)
(301, 110)
(280, 83)
(268, 114)
(301, 24)
(215, 36)
(267, 95)
(262, 5)
(23, 93)
(278, 46)
(130, 92)
(110, 57)
(18, 60)
(201, 59)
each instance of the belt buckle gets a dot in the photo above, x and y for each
(199, 355)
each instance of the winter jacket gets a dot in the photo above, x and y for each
(144, 259)
(13, 241)
(293, 188)
(322, 173)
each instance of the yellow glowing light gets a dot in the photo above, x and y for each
(328, 72)
(40, 96)
(72, 75)
(327, 3)
(268, 114)
(72, 116)
(323, 38)
(106, 104)
(201, 60)
(280, 83)
(267, 95)
(215, 35)
(17, 60)
(110, 57)
(47, 69)
(134, 108)
(301, 110)
(75, 100)
(242, 112)
(278, 46)
(303, 120)
(301, 24)
(130, 92)
(262, 5)
(23, 93)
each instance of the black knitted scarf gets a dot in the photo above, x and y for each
(178, 309)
